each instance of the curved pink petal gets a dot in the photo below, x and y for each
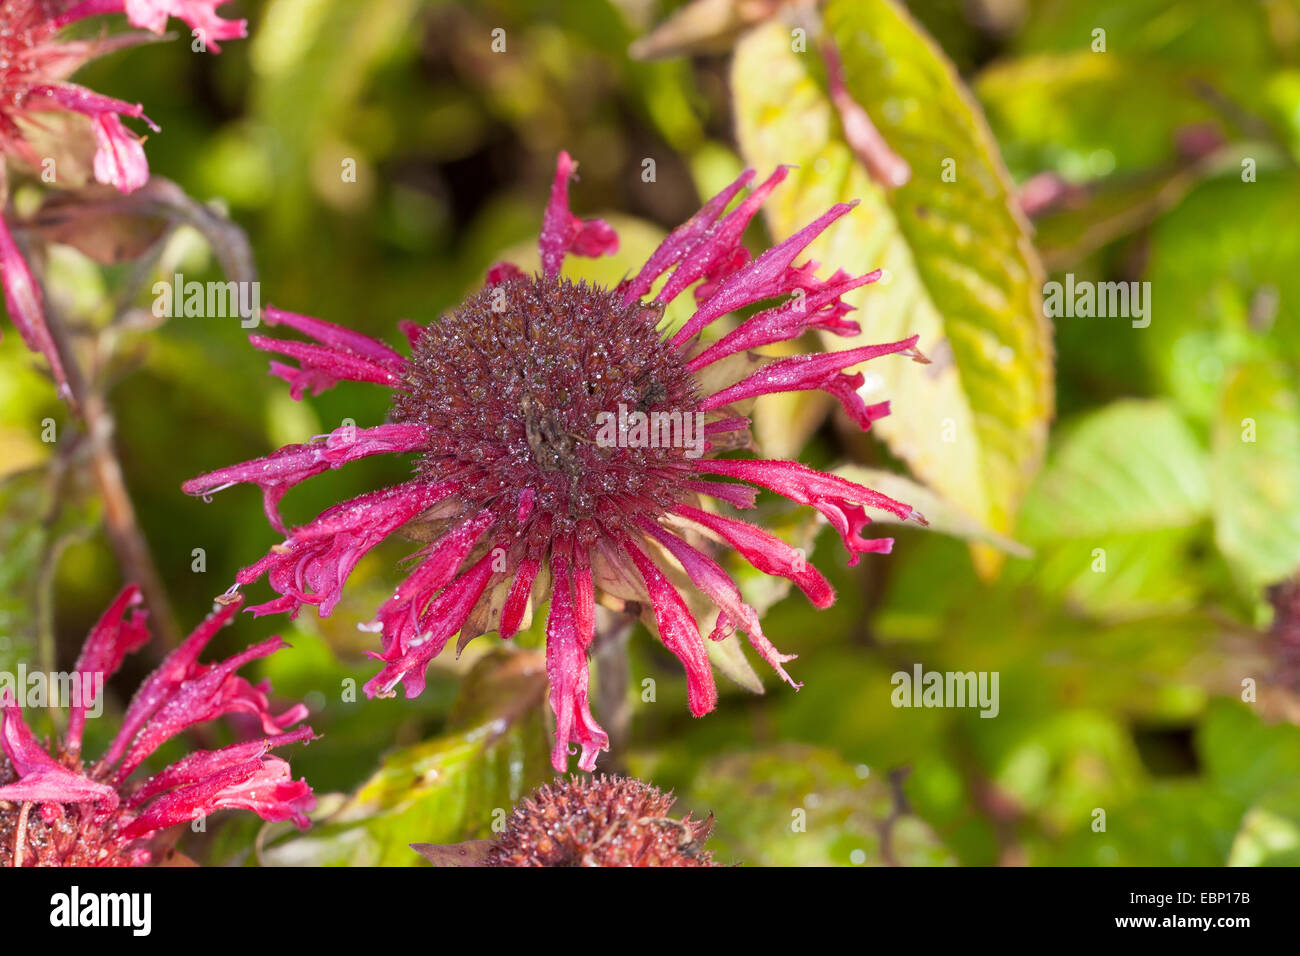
(769, 276)
(399, 617)
(564, 232)
(204, 763)
(40, 776)
(26, 306)
(196, 700)
(293, 464)
(822, 371)
(335, 336)
(316, 559)
(264, 785)
(766, 552)
(838, 499)
(821, 309)
(682, 241)
(119, 158)
(677, 629)
(718, 253)
(110, 640)
(715, 584)
(201, 16)
(177, 667)
(443, 619)
(568, 637)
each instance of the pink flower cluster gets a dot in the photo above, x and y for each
(36, 60)
(57, 809)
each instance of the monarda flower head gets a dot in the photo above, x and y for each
(604, 821)
(56, 809)
(567, 448)
(42, 116)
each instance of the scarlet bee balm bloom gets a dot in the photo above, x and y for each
(501, 401)
(56, 809)
(35, 63)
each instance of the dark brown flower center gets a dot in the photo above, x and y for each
(558, 387)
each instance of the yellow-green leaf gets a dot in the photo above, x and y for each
(1255, 475)
(962, 273)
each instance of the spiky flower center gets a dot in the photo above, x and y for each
(52, 834)
(557, 387)
(23, 24)
(605, 821)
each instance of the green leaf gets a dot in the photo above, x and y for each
(1117, 509)
(963, 274)
(1255, 474)
(1243, 755)
(1090, 115)
(1270, 831)
(1224, 286)
(448, 789)
(804, 806)
(1106, 211)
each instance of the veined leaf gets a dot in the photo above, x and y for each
(1255, 474)
(448, 789)
(805, 806)
(962, 273)
(1117, 511)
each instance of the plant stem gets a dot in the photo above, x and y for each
(612, 682)
(124, 533)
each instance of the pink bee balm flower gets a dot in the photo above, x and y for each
(567, 448)
(35, 63)
(57, 810)
(201, 15)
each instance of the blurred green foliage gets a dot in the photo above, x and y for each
(1129, 608)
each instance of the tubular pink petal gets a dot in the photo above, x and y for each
(200, 15)
(521, 588)
(26, 306)
(322, 366)
(767, 277)
(316, 559)
(677, 628)
(769, 554)
(277, 473)
(160, 685)
(718, 587)
(821, 371)
(803, 484)
(335, 336)
(110, 640)
(264, 785)
(119, 160)
(719, 253)
(399, 617)
(740, 496)
(204, 763)
(836, 498)
(197, 699)
(821, 309)
(443, 619)
(563, 232)
(41, 777)
(682, 240)
(566, 667)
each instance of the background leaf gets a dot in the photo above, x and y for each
(962, 272)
